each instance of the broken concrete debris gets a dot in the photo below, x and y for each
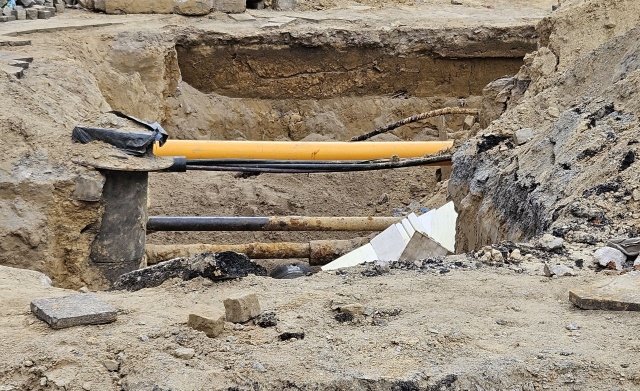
(184, 353)
(621, 293)
(266, 319)
(558, 269)
(74, 310)
(436, 237)
(550, 243)
(210, 324)
(214, 266)
(242, 309)
(610, 257)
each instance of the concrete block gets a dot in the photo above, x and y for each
(32, 14)
(11, 70)
(89, 187)
(283, 5)
(415, 222)
(231, 6)
(210, 324)
(360, 255)
(20, 14)
(421, 246)
(244, 17)
(390, 243)
(444, 226)
(406, 224)
(44, 14)
(242, 309)
(75, 310)
(4, 18)
(618, 294)
(59, 8)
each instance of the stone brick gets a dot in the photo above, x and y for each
(44, 14)
(231, 6)
(32, 13)
(240, 310)
(20, 14)
(75, 310)
(210, 324)
(283, 5)
(183, 7)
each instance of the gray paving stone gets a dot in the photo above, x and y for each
(74, 310)
(618, 294)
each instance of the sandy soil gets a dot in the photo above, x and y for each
(476, 327)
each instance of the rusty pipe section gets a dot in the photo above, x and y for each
(277, 223)
(318, 252)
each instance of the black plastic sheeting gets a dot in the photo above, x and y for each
(132, 143)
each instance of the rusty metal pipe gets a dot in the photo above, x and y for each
(285, 223)
(318, 252)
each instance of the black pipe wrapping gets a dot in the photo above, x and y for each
(198, 223)
(307, 166)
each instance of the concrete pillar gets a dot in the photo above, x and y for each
(120, 245)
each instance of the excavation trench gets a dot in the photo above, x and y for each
(322, 87)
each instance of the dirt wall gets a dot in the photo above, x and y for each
(570, 175)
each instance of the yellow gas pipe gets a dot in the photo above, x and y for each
(288, 150)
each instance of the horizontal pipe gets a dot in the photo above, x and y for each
(290, 150)
(318, 252)
(286, 223)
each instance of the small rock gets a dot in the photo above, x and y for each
(558, 269)
(496, 255)
(353, 309)
(433, 331)
(86, 386)
(143, 337)
(572, 326)
(469, 120)
(111, 365)
(210, 324)
(242, 309)
(266, 319)
(259, 367)
(522, 136)
(28, 363)
(238, 327)
(291, 335)
(368, 311)
(501, 322)
(550, 243)
(456, 2)
(516, 255)
(343, 317)
(184, 353)
(553, 112)
(610, 257)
